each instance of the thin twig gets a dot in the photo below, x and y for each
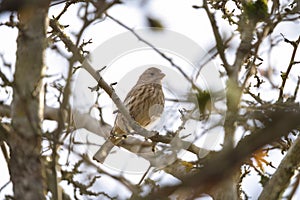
(285, 75)
(219, 41)
(170, 60)
(4, 186)
(100, 81)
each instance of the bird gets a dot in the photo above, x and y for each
(145, 103)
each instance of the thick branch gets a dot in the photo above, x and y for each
(285, 171)
(24, 140)
(83, 120)
(212, 174)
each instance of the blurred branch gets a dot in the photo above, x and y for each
(4, 110)
(83, 120)
(281, 178)
(211, 174)
(16, 5)
(295, 187)
(145, 149)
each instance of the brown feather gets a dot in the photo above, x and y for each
(145, 101)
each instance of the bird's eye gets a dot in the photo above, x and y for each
(151, 74)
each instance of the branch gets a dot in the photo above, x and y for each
(101, 83)
(82, 120)
(285, 75)
(219, 42)
(4, 132)
(212, 174)
(285, 171)
(4, 110)
(129, 144)
(25, 164)
(170, 60)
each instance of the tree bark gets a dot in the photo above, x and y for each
(228, 189)
(283, 175)
(25, 163)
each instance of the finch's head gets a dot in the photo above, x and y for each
(151, 75)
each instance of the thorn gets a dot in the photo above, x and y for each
(114, 83)
(100, 70)
(95, 88)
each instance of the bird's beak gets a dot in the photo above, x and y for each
(161, 75)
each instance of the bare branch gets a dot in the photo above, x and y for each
(211, 174)
(285, 75)
(285, 171)
(219, 41)
(101, 83)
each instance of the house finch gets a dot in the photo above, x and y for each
(145, 103)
